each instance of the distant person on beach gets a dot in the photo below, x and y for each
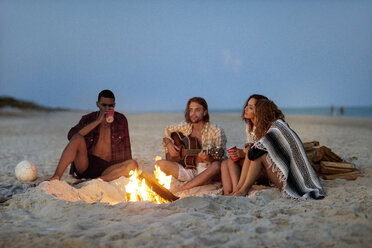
(230, 169)
(201, 131)
(341, 111)
(332, 110)
(280, 152)
(97, 148)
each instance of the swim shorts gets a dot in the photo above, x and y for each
(96, 166)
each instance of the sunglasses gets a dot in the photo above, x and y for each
(107, 105)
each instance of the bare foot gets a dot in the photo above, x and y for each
(55, 177)
(239, 193)
(259, 187)
(229, 194)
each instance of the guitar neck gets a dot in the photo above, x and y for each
(190, 152)
(193, 152)
(214, 153)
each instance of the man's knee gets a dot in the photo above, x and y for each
(132, 164)
(77, 138)
(161, 164)
(168, 167)
(215, 168)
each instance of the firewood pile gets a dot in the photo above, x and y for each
(329, 165)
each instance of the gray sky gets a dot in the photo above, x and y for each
(155, 55)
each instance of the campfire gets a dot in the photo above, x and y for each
(144, 187)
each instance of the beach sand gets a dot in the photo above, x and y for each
(31, 217)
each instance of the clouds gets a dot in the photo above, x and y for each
(232, 61)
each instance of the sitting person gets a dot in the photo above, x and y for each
(280, 152)
(98, 148)
(207, 134)
(230, 169)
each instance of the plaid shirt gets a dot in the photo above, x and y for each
(120, 143)
(212, 135)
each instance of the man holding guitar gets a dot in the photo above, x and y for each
(194, 142)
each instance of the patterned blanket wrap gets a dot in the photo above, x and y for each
(287, 157)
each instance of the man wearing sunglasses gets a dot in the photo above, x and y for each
(97, 148)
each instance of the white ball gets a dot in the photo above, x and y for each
(26, 171)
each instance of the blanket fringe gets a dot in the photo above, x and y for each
(282, 177)
(275, 169)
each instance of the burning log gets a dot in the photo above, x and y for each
(153, 184)
(329, 165)
(143, 187)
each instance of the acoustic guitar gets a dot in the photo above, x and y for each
(189, 150)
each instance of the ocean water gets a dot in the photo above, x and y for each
(364, 111)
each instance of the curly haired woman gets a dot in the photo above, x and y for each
(280, 152)
(230, 170)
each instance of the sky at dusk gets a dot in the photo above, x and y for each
(155, 55)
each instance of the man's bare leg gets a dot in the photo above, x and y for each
(75, 151)
(117, 170)
(168, 167)
(203, 178)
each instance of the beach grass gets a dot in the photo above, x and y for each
(11, 102)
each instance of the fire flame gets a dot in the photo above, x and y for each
(137, 190)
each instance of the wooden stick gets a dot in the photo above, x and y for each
(339, 165)
(332, 170)
(318, 154)
(311, 143)
(309, 148)
(329, 155)
(348, 176)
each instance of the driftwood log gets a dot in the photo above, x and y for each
(329, 165)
